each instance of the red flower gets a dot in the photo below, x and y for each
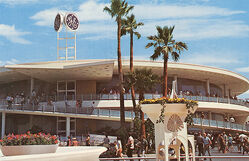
(54, 137)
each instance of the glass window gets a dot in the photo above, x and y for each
(71, 85)
(61, 85)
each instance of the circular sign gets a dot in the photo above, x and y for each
(71, 21)
(174, 123)
(58, 22)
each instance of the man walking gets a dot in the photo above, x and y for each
(207, 142)
(200, 145)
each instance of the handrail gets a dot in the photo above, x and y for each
(182, 157)
(220, 124)
(90, 111)
(127, 96)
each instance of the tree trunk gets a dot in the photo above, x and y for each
(120, 72)
(165, 76)
(141, 97)
(131, 70)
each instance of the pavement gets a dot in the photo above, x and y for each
(214, 152)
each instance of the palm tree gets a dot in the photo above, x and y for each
(143, 81)
(164, 44)
(118, 9)
(129, 25)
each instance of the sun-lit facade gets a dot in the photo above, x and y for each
(78, 97)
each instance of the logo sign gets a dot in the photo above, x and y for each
(71, 21)
(58, 22)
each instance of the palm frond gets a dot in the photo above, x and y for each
(149, 45)
(137, 34)
(175, 56)
(157, 53)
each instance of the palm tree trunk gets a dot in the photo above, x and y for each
(131, 69)
(165, 76)
(120, 72)
(141, 97)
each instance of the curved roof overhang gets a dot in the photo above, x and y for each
(235, 82)
(102, 70)
(64, 70)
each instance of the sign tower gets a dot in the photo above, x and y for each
(66, 40)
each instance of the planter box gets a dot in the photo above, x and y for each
(28, 149)
(153, 111)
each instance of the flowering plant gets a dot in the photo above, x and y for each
(28, 139)
(164, 100)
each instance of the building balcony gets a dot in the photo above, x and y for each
(106, 114)
(214, 124)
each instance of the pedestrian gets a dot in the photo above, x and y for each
(222, 144)
(226, 140)
(230, 143)
(200, 145)
(88, 140)
(130, 146)
(207, 142)
(119, 147)
(237, 142)
(245, 146)
(75, 142)
(106, 141)
(68, 141)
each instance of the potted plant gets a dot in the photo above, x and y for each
(157, 109)
(25, 144)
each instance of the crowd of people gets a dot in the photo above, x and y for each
(223, 141)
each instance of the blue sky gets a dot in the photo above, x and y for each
(216, 31)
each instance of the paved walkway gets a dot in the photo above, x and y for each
(214, 152)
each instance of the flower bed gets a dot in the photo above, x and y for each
(28, 139)
(26, 144)
(164, 100)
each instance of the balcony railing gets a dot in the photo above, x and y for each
(43, 107)
(90, 111)
(127, 96)
(220, 124)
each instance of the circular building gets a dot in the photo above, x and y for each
(78, 97)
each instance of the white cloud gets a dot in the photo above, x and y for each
(46, 17)
(17, 2)
(193, 22)
(92, 11)
(243, 69)
(196, 29)
(10, 33)
(145, 11)
(210, 58)
(8, 62)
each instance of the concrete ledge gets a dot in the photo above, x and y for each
(80, 153)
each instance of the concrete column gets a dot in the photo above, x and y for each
(208, 87)
(67, 126)
(175, 79)
(31, 85)
(3, 124)
(229, 93)
(30, 121)
(224, 91)
(210, 115)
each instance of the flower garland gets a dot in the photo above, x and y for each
(28, 139)
(164, 100)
